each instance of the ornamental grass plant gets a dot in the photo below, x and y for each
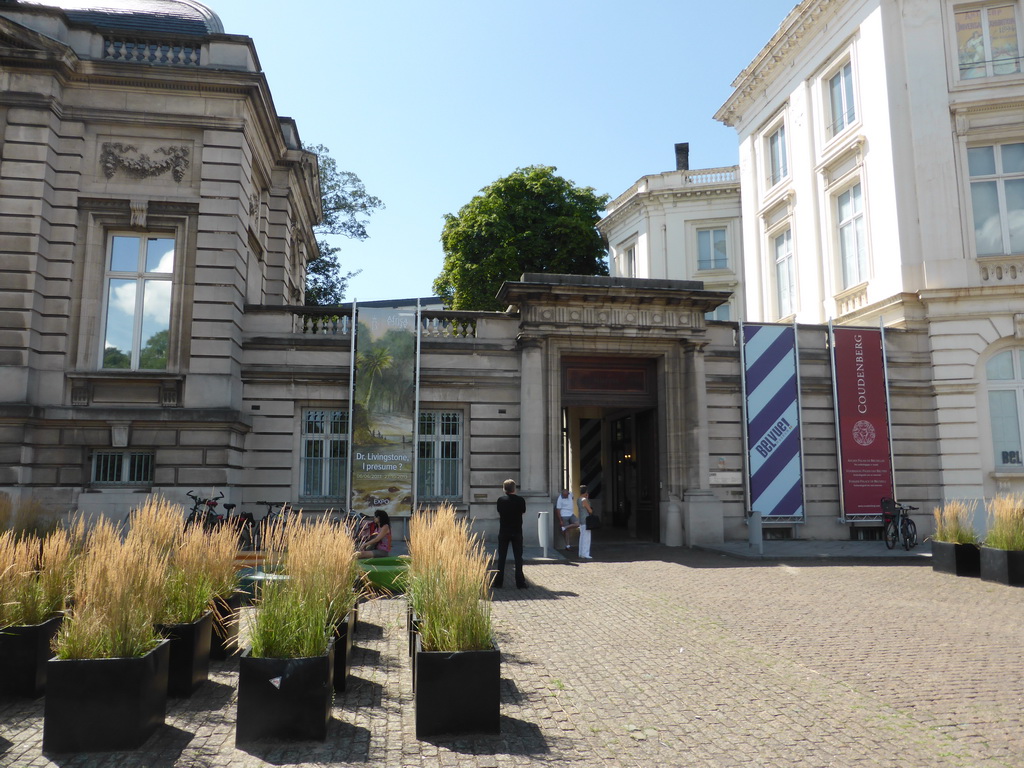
(954, 522)
(296, 616)
(219, 563)
(159, 526)
(36, 575)
(448, 582)
(188, 588)
(117, 595)
(1006, 522)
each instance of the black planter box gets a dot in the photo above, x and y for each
(1002, 566)
(343, 651)
(102, 705)
(224, 637)
(189, 665)
(284, 698)
(457, 692)
(24, 651)
(958, 559)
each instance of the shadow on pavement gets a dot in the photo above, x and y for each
(315, 753)
(529, 740)
(162, 750)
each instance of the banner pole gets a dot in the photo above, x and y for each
(835, 417)
(800, 417)
(888, 409)
(746, 437)
(416, 414)
(351, 403)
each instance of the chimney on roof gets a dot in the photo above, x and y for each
(683, 156)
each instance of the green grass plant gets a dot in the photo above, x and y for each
(954, 522)
(188, 588)
(117, 595)
(1006, 522)
(449, 582)
(289, 625)
(296, 617)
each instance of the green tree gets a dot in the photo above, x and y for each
(346, 210)
(529, 221)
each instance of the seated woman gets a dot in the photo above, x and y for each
(379, 544)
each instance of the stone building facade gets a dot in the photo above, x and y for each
(157, 220)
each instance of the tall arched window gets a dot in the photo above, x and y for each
(1005, 375)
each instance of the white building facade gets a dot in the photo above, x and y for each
(882, 169)
(680, 225)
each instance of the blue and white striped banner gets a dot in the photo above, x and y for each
(772, 414)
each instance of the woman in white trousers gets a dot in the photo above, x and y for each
(583, 508)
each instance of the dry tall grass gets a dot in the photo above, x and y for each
(35, 580)
(117, 595)
(28, 516)
(954, 522)
(158, 524)
(219, 565)
(449, 582)
(1006, 522)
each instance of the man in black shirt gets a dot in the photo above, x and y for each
(511, 509)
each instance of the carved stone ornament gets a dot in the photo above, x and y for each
(140, 211)
(138, 165)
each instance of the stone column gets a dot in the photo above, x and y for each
(702, 511)
(533, 436)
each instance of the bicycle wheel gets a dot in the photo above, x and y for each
(909, 534)
(890, 534)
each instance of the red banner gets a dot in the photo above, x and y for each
(862, 417)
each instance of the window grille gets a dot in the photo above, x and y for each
(120, 468)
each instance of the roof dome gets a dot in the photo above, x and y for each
(177, 17)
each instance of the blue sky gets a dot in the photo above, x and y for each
(428, 101)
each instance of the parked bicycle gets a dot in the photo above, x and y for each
(244, 525)
(203, 511)
(276, 511)
(899, 528)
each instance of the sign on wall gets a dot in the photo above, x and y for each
(384, 411)
(862, 420)
(771, 407)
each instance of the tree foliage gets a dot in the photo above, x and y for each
(347, 207)
(529, 221)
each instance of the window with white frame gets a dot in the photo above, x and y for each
(138, 280)
(997, 198)
(122, 468)
(627, 261)
(987, 40)
(439, 459)
(712, 249)
(785, 273)
(842, 106)
(778, 163)
(1005, 380)
(853, 250)
(324, 454)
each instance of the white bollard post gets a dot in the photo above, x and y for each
(544, 529)
(673, 523)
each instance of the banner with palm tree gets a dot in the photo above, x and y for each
(384, 410)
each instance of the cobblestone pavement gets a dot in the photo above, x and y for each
(649, 656)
